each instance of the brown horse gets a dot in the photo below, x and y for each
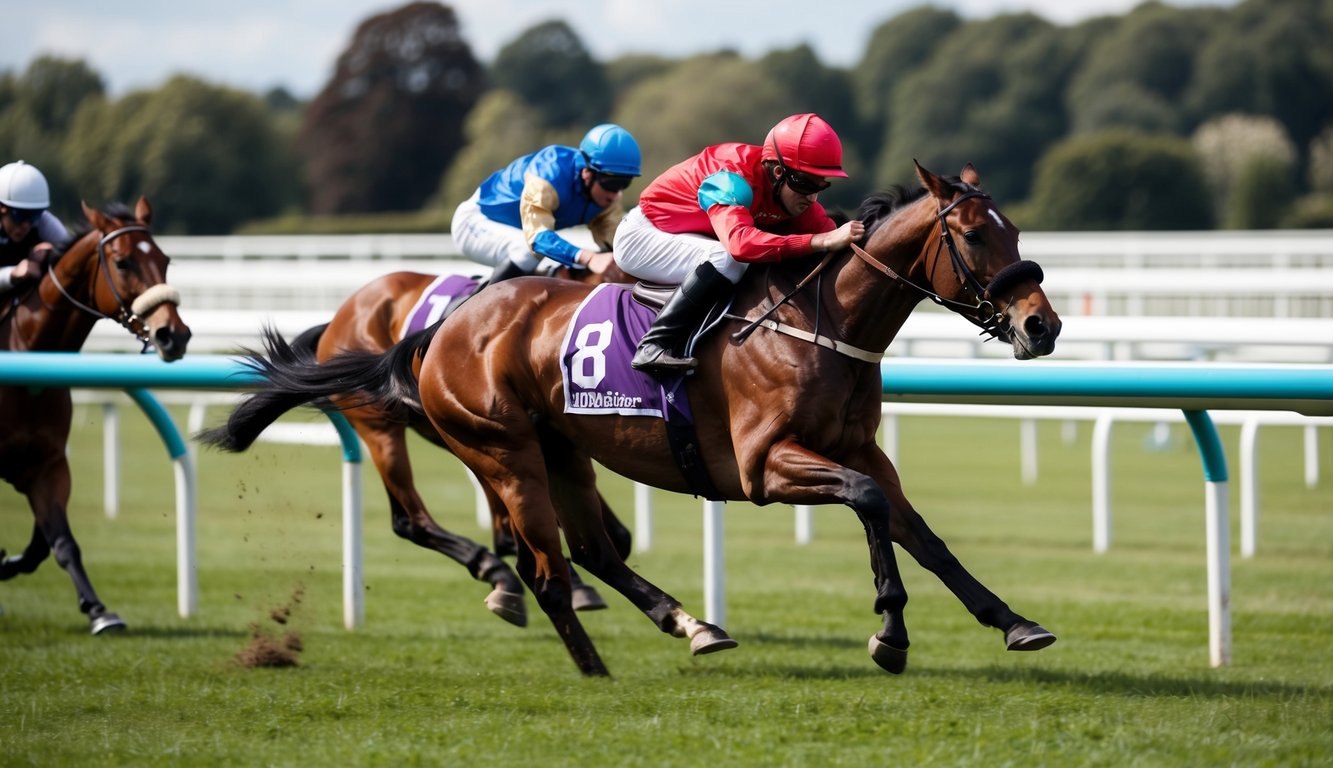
(779, 419)
(114, 270)
(371, 320)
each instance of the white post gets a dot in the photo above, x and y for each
(1101, 483)
(195, 422)
(1027, 435)
(483, 508)
(1219, 573)
(889, 436)
(805, 527)
(715, 598)
(1249, 486)
(1311, 457)
(643, 517)
(187, 570)
(111, 459)
(354, 604)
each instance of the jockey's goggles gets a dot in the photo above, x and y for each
(24, 215)
(613, 183)
(804, 183)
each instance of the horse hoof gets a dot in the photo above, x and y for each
(1027, 636)
(892, 660)
(509, 606)
(585, 598)
(711, 639)
(107, 623)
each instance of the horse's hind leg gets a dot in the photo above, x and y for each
(512, 467)
(580, 507)
(411, 521)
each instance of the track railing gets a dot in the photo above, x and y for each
(1193, 388)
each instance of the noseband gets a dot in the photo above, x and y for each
(126, 316)
(983, 313)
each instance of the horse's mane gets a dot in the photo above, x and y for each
(880, 207)
(118, 211)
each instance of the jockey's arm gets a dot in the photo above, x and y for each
(536, 209)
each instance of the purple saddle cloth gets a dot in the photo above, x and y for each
(599, 345)
(447, 292)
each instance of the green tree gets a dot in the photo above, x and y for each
(897, 48)
(36, 108)
(384, 128)
(1137, 69)
(673, 118)
(207, 157)
(1119, 180)
(500, 128)
(1269, 57)
(826, 91)
(1250, 165)
(991, 95)
(552, 72)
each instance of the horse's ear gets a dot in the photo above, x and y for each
(95, 217)
(937, 186)
(143, 212)
(969, 174)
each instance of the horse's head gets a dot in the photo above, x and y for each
(133, 289)
(976, 269)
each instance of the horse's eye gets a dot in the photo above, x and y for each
(972, 236)
(124, 264)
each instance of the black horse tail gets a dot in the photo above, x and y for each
(293, 378)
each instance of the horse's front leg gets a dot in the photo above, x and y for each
(910, 531)
(48, 497)
(797, 475)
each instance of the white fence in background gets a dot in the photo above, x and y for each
(1228, 296)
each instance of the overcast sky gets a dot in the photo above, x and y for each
(259, 44)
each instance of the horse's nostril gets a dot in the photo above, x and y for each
(1034, 327)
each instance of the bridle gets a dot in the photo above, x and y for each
(126, 316)
(983, 313)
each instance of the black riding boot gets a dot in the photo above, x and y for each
(659, 350)
(505, 270)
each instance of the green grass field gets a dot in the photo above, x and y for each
(433, 679)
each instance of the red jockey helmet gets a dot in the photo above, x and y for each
(805, 143)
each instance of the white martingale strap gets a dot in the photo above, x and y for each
(841, 347)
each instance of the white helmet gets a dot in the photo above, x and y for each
(23, 186)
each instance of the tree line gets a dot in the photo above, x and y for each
(1160, 118)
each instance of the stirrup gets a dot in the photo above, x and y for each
(663, 362)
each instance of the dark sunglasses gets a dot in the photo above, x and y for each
(23, 215)
(612, 183)
(804, 183)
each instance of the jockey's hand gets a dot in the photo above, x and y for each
(839, 238)
(599, 261)
(26, 271)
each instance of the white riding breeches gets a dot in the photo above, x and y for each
(490, 242)
(649, 254)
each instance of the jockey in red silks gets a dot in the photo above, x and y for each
(705, 220)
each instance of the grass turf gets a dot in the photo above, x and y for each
(432, 678)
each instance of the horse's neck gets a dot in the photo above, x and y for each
(867, 307)
(46, 320)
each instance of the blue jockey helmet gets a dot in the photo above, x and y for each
(611, 149)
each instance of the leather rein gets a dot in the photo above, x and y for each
(982, 314)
